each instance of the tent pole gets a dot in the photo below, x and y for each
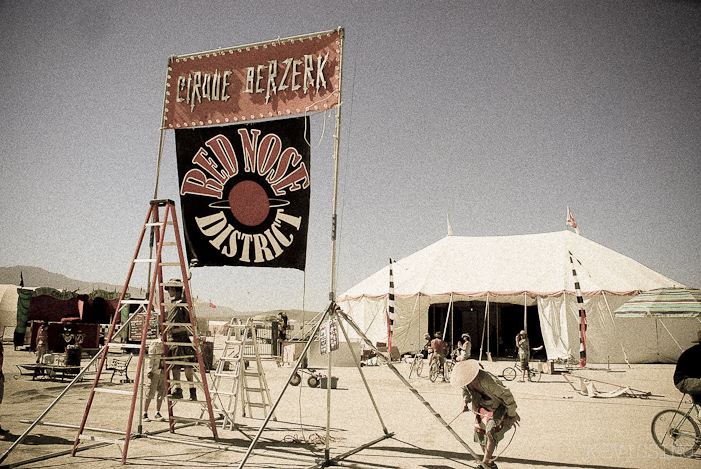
(447, 317)
(488, 335)
(525, 313)
(484, 324)
(670, 334)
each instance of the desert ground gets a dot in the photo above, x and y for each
(560, 428)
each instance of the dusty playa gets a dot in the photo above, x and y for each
(559, 429)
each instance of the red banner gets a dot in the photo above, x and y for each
(284, 77)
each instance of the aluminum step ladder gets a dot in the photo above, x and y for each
(240, 376)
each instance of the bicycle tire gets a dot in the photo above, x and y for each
(434, 371)
(509, 373)
(313, 382)
(419, 366)
(447, 369)
(296, 379)
(533, 375)
(672, 431)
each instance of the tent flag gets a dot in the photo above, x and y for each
(570, 220)
(582, 316)
(390, 309)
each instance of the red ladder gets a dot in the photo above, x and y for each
(159, 227)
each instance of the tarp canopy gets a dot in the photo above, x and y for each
(532, 269)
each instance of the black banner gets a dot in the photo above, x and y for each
(244, 191)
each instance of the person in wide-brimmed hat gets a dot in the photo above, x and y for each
(523, 345)
(492, 402)
(177, 313)
(464, 347)
(687, 374)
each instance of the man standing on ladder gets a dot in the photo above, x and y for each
(177, 313)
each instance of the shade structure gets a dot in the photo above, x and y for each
(663, 303)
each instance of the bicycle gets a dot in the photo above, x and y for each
(437, 370)
(510, 373)
(417, 365)
(676, 432)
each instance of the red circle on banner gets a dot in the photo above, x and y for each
(249, 203)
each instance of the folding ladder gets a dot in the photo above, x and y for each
(154, 305)
(240, 363)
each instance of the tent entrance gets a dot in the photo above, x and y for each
(466, 317)
(511, 323)
(499, 329)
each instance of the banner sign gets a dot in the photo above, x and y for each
(269, 79)
(328, 337)
(244, 192)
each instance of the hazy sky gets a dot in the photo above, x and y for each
(498, 113)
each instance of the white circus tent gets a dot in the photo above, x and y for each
(528, 270)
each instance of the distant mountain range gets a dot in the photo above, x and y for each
(38, 277)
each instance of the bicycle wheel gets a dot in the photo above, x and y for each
(296, 379)
(447, 369)
(419, 365)
(509, 373)
(533, 375)
(675, 434)
(434, 371)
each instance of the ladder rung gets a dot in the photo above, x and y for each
(170, 243)
(177, 324)
(223, 393)
(159, 223)
(100, 439)
(226, 375)
(144, 261)
(257, 404)
(189, 419)
(254, 390)
(135, 302)
(114, 391)
(170, 264)
(184, 344)
(121, 345)
(229, 359)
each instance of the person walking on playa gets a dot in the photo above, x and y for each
(492, 403)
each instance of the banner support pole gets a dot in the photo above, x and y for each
(336, 152)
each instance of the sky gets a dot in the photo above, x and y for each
(496, 114)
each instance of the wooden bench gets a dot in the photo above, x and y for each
(120, 366)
